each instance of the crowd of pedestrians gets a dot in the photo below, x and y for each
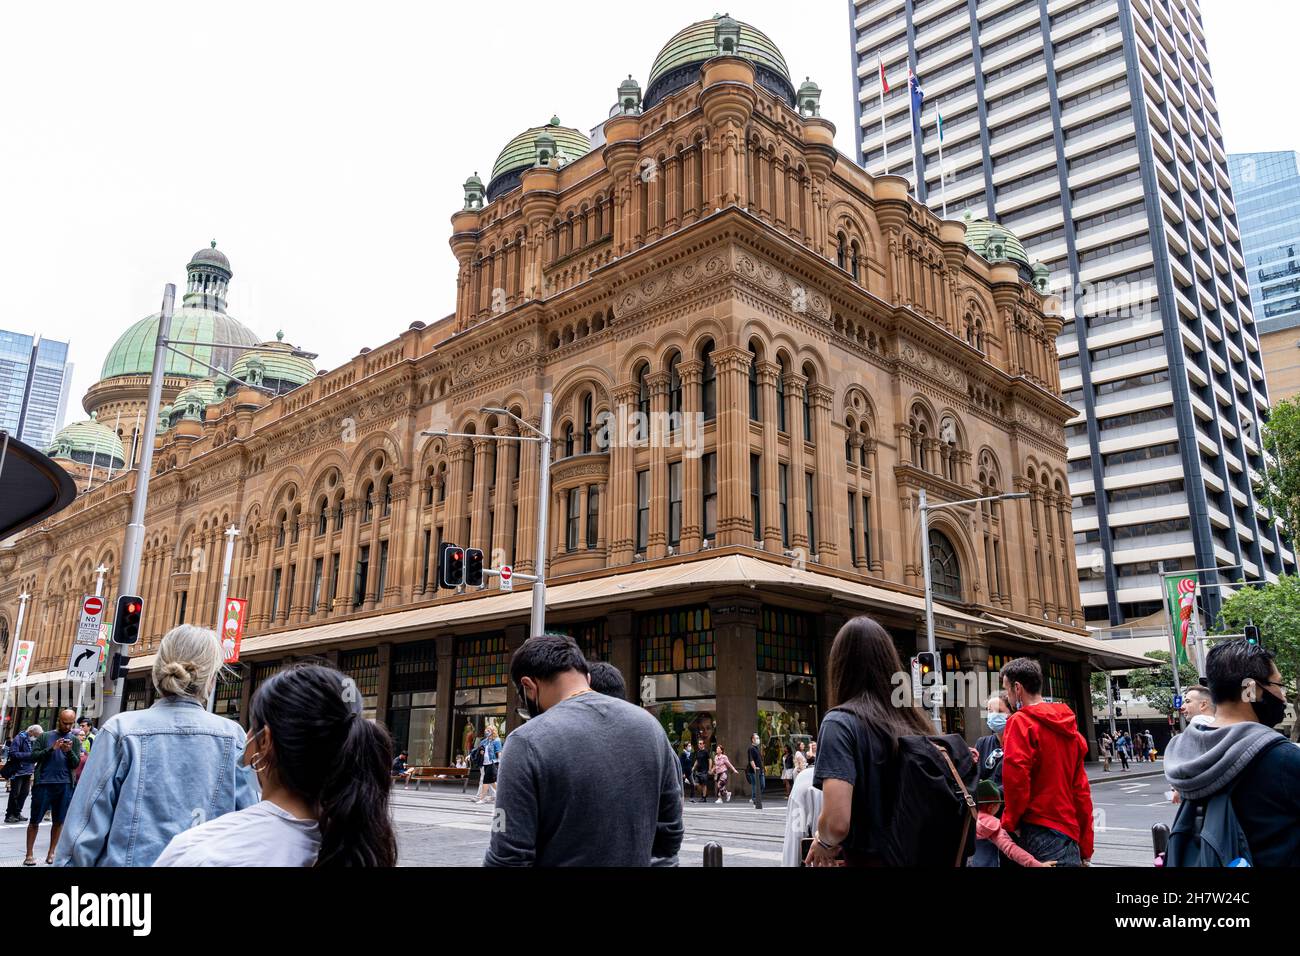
(309, 783)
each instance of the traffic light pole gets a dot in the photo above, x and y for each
(542, 435)
(133, 546)
(231, 534)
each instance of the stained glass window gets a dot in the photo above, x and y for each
(481, 662)
(945, 569)
(414, 668)
(786, 644)
(590, 637)
(676, 640)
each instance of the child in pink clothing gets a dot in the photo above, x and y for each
(988, 826)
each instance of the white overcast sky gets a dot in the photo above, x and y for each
(323, 144)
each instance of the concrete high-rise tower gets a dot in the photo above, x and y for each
(1088, 129)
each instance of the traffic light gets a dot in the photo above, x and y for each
(1252, 634)
(928, 662)
(1114, 692)
(126, 623)
(117, 667)
(473, 567)
(452, 566)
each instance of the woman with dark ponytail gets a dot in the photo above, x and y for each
(324, 771)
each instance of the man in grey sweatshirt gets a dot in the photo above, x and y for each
(589, 780)
(1240, 749)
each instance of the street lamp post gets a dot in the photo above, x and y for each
(926, 508)
(542, 436)
(13, 654)
(231, 534)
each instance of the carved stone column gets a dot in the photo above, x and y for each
(822, 399)
(692, 432)
(767, 412)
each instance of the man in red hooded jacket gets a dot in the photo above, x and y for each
(1048, 801)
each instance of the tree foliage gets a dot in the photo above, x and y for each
(1275, 610)
(1279, 486)
(1156, 684)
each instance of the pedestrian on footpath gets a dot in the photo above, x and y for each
(787, 769)
(700, 770)
(1198, 706)
(487, 787)
(614, 801)
(87, 733)
(323, 769)
(1121, 748)
(721, 768)
(754, 771)
(855, 745)
(989, 751)
(1045, 783)
(800, 762)
(1238, 777)
(608, 679)
(687, 761)
(1107, 748)
(56, 755)
(20, 767)
(156, 772)
(801, 813)
(1150, 746)
(812, 752)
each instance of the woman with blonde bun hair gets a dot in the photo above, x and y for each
(157, 772)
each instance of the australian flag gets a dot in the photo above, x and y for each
(918, 99)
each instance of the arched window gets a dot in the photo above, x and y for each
(368, 504)
(587, 424)
(643, 402)
(841, 252)
(753, 385)
(338, 513)
(810, 377)
(293, 525)
(945, 569)
(857, 273)
(920, 435)
(323, 516)
(951, 448)
(708, 384)
(568, 439)
(674, 385)
(781, 424)
(280, 530)
(388, 497)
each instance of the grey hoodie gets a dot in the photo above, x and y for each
(1205, 759)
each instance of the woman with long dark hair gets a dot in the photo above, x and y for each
(856, 745)
(324, 771)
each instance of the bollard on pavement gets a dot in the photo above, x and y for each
(712, 854)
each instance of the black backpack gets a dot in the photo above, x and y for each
(932, 821)
(476, 757)
(1208, 833)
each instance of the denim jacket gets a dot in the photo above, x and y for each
(152, 774)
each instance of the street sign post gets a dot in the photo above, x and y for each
(83, 660)
(506, 576)
(1178, 701)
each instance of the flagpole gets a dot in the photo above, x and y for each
(943, 178)
(911, 115)
(884, 143)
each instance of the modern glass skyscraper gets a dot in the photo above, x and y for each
(1267, 188)
(35, 376)
(1088, 128)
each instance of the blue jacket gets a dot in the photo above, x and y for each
(153, 773)
(21, 752)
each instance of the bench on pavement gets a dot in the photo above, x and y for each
(420, 774)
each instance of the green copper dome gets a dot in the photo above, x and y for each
(88, 442)
(995, 242)
(132, 353)
(521, 153)
(277, 368)
(678, 63)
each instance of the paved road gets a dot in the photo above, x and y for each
(443, 827)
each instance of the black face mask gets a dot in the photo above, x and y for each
(529, 704)
(1269, 708)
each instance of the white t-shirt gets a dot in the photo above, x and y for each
(262, 835)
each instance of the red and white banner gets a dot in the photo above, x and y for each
(23, 659)
(232, 628)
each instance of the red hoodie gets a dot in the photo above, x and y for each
(1043, 775)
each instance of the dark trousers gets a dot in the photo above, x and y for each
(1046, 844)
(19, 788)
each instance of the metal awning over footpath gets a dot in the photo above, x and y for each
(32, 486)
(616, 588)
